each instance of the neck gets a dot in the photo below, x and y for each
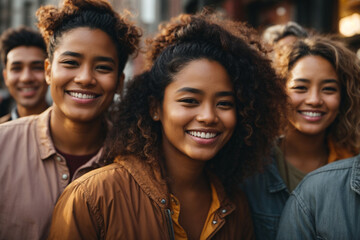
(76, 138)
(27, 111)
(185, 175)
(305, 152)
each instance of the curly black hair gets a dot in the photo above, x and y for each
(259, 93)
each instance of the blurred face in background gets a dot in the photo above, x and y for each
(314, 90)
(24, 76)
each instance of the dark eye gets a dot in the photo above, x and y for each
(104, 68)
(299, 88)
(330, 89)
(70, 63)
(190, 101)
(225, 104)
(15, 69)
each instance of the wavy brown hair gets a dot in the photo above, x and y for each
(259, 93)
(53, 22)
(345, 130)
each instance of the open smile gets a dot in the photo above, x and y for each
(204, 135)
(80, 95)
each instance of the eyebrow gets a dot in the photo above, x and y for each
(32, 63)
(323, 81)
(197, 91)
(99, 58)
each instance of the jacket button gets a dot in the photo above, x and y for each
(64, 176)
(163, 201)
(223, 211)
(214, 222)
(58, 158)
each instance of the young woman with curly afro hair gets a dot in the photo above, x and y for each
(322, 79)
(201, 117)
(88, 45)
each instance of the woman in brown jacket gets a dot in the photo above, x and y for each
(187, 131)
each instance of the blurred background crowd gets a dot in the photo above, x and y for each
(340, 17)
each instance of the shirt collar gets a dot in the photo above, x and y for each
(14, 114)
(355, 175)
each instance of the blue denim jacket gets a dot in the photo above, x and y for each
(325, 205)
(267, 194)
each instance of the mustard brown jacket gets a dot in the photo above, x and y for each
(130, 200)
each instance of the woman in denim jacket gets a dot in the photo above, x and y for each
(322, 82)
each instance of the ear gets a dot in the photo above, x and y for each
(154, 109)
(47, 66)
(4, 73)
(120, 83)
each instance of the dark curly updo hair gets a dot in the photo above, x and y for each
(53, 22)
(259, 93)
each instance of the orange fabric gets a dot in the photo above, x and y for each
(336, 153)
(208, 228)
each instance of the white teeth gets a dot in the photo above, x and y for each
(202, 134)
(28, 89)
(312, 114)
(82, 95)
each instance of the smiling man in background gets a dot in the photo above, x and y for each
(23, 52)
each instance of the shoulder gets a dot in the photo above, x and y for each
(5, 118)
(327, 180)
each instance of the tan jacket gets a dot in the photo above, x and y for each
(32, 177)
(129, 200)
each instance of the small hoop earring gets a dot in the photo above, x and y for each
(155, 117)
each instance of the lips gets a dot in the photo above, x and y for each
(82, 95)
(202, 134)
(311, 113)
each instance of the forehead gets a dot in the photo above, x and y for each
(203, 74)
(87, 41)
(313, 67)
(24, 54)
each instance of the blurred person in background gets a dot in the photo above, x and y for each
(88, 45)
(322, 81)
(326, 204)
(188, 130)
(281, 35)
(23, 51)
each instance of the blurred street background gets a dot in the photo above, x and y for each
(340, 17)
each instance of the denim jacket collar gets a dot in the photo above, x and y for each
(274, 182)
(355, 176)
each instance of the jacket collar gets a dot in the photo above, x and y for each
(154, 185)
(355, 175)
(45, 143)
(274, 181)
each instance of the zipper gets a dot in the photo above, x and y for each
(170, 224)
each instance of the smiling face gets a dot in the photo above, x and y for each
(24, 76)
(83, 74)
(198, 113)
(314, 92)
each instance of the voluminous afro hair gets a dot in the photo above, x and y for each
(345, 130)
(259, 93)
(96, 14)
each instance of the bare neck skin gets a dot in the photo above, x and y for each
(188, 182)
(305, 152)
(26, 111)
(76, 138)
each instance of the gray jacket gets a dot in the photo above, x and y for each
(325, 205)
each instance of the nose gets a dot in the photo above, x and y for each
(207, 114)
(26, 75)
(85, 76)
(314, 98)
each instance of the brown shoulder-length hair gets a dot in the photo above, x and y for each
(345, 130)
(259, 93)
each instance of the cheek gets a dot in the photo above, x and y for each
(229, 119)
(334, 102)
